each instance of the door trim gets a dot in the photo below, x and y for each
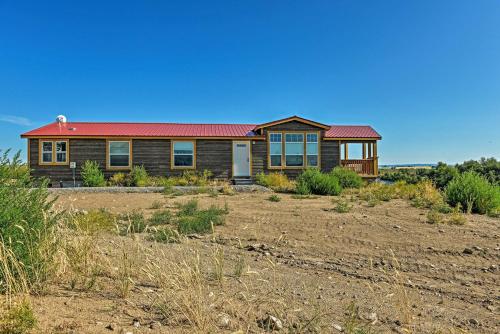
(249, 143)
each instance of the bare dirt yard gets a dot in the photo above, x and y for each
(379, 269)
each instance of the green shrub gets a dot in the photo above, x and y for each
(138, 177)
(27, 223)
(274, 198)
(118, 180)
(276, 181)
(342, 206)
(18, 319)
(435, 217)
(200, 221)
(312, 181)
(473, 193)
(92, 176)
(13, 169)
(164, 235)
(347, 178)
(160, 218)
(94, 221)
(188, 208)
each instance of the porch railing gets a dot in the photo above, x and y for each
(361, 166)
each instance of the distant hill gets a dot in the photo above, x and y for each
(396, 166)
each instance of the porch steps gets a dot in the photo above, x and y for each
(240, 181)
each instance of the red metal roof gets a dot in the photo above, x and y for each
(107, 129)
(352, 131)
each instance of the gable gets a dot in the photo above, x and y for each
(293, 123)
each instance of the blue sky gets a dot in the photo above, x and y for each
(425, 74)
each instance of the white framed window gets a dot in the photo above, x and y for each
(54, 152)
(312, 149)
(275, 149)
(47, 151)
(119, 154)
(61, 151)
(294, 149)
(183, 154)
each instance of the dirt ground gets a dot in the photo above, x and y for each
(305, 263)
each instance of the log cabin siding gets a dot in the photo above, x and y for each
(155, 155)
(215, 156)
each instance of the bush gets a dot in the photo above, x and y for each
(27, 223)
(276, 181)
(312, 181)
(274, 198)
(94, 221)
(342, 206)
(92, 176)
(118, 180)
(347, 178)
(435, 217)
(192, 220)
(161, 218)
(425, 195)
(473, 193)
(138, 177)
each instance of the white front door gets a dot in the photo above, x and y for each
(241, 158)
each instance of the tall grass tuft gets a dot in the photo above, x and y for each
(27, 223)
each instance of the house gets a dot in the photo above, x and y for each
(230, 151)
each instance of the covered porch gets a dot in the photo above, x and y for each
(360, 156)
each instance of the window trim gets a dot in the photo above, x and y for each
(269, 149)
(283, 149)
(54, 153)
(172, 161)
(108, 154)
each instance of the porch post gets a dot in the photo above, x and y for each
(369, 150)
(364, 151)
(346, 151)
(375, 158)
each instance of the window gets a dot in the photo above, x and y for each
(47, 151)
(183, 154)
(275, 149)
(61, 151)
(312, 149)
(119, 154)
(54, 152)
(294, 149)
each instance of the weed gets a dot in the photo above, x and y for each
(92, 176)
(18, 319)
(135, 223)
(93, 221)
(228, 190)
(276, 181)
(124, 281)
(160, 218)
(138, 177)
(218, 264)
(239, 267)
(435, 217)
(156, 205)
(274, 198)
(342, 206)
(456, 217)
(118, 179)
(188, 208)
(164, 235)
